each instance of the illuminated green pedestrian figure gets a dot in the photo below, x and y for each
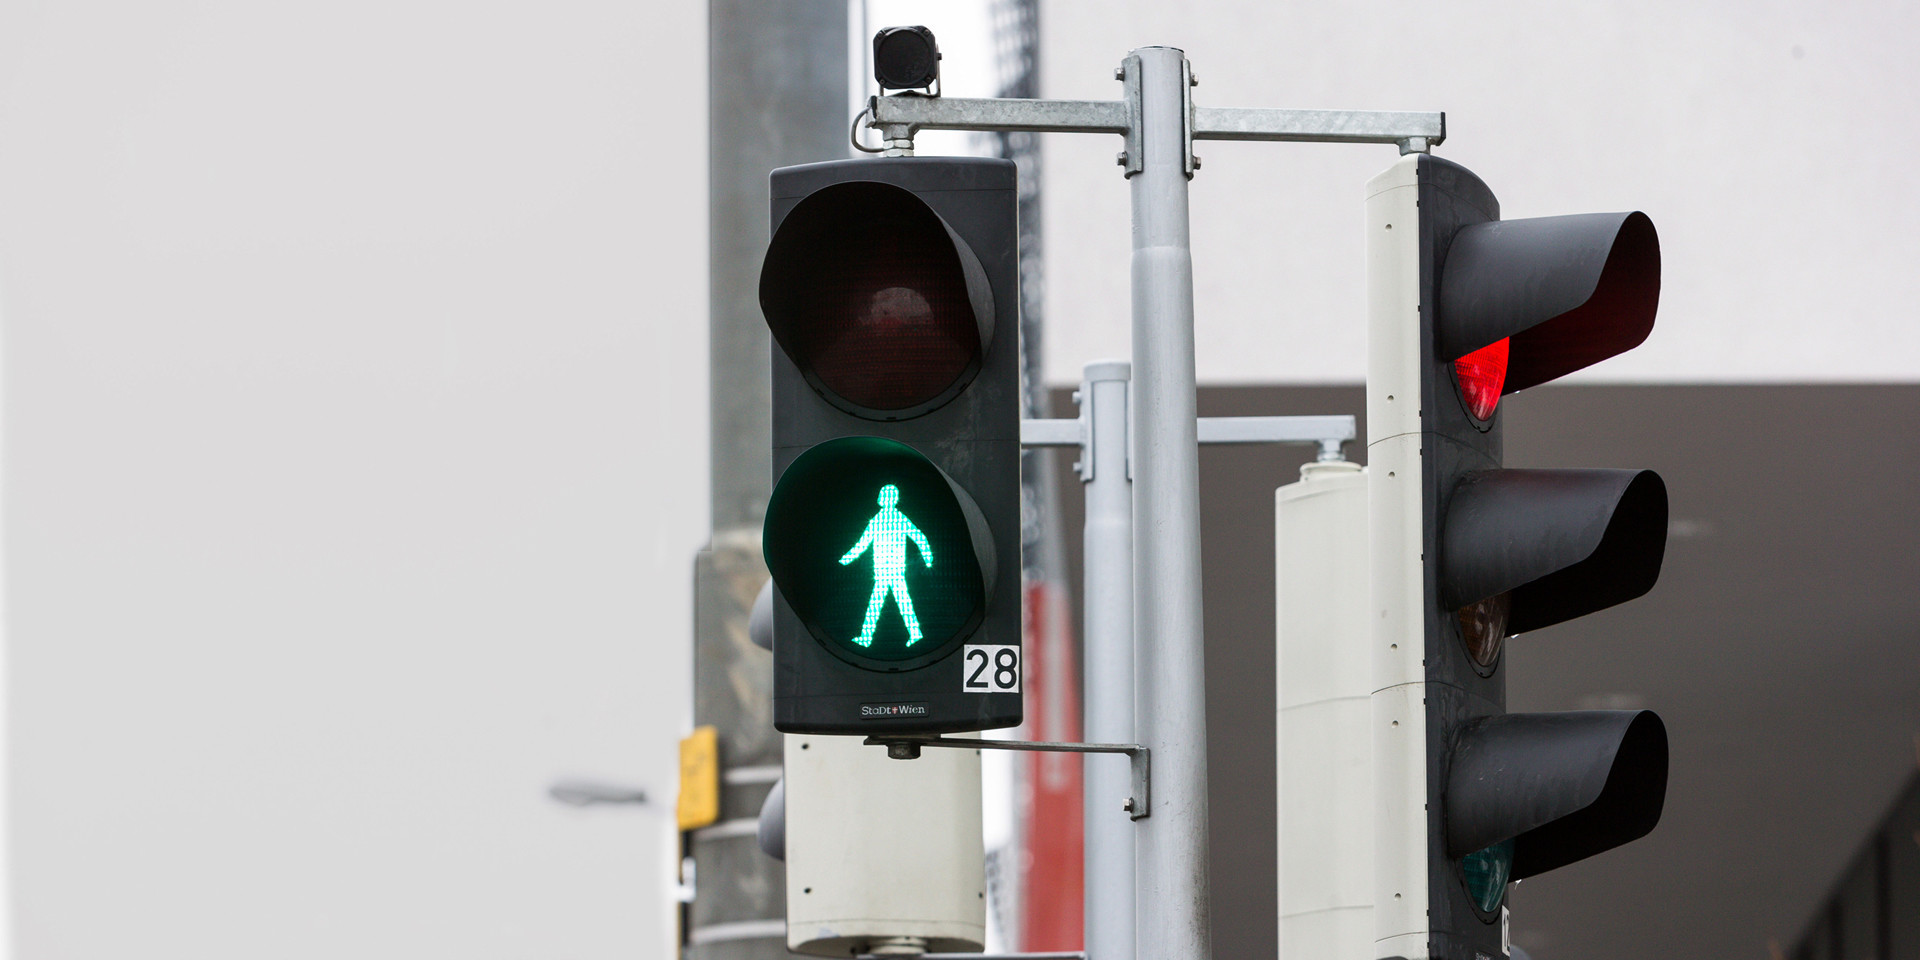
(887, 533)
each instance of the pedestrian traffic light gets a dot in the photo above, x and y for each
(891, 289)
(1464, 309)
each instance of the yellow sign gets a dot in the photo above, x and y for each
(699, 779)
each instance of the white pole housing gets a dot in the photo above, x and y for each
(1398, 633)
(1324, 715)
(882, 851)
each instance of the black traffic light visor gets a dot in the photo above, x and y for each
(1561, 786)
(1564, 543)
(1569, 291)
(882, 307)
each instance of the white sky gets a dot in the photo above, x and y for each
(1769, 142)
(355, 469)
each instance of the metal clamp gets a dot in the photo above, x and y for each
(1137, 806)
(1133, 158)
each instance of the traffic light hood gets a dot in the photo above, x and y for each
(1570, 291)
(882, 306)
(1561, 786)
(1564, 542)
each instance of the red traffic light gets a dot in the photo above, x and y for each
(883, 309)
(1568, 291)
(1482, 375)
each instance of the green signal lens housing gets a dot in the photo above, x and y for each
(1486, 873)
(880, 554)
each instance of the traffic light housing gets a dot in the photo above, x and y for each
(892, 292)
(1465, 309)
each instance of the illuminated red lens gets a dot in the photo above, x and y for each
(1482, 375)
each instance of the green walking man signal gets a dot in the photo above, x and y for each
(887, 533)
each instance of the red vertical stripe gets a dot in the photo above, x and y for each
(1052, 919)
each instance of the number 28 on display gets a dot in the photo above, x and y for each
(990, 668)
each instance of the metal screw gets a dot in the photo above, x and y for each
(1127, 805)
(1196, 163)
(1193, 79)
(1120, 72)
(1120, 158)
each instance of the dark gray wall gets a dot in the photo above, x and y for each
(1873, 910)
(1782, 647)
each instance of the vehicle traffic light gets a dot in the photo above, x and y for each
(1464, 309)
(892, 534)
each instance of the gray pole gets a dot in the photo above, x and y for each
(1174, 922)
(1109, 652)
(777, 81)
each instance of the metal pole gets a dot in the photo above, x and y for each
(1108, 591)
(1171, 867)
(786, 103)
